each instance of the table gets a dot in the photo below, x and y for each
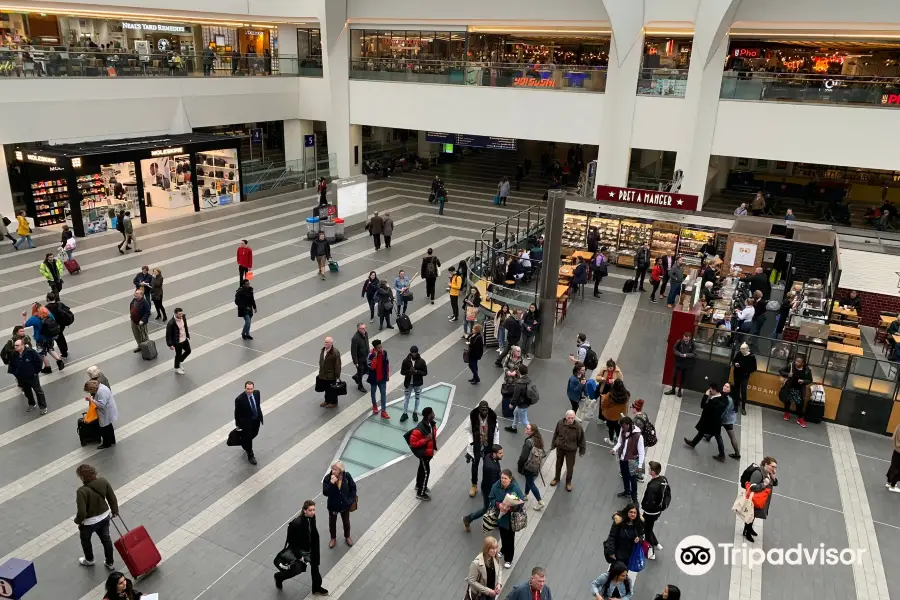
(566, 272)
(896, 338)
(835, 347)
(839, 313)
(582, 254)
(847, 335)
(562, 302)
(886, 321)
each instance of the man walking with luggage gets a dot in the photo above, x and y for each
(303, 541)
(139, 310)
(244, 260)
(568, 437)
(359, 350)
(414, 370)
(489, 476)
(178, 338)
(320, 252)
(25, 365)
(248, 418)
(329, 373)
(656, 499)
(376, 228)
(483, 434)
(429, 271)
(96, 506)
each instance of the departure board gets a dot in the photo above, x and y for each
(471, 141)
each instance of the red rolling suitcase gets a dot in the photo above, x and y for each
(137, 550)
(72, 266)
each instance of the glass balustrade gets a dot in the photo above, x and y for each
(817, 89)
(670, 83)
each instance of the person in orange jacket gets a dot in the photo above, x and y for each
(423, 441)
(244, 261)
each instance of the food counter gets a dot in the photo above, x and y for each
(574, 231)
(665, 239)
(632, 235)
(691, 242)
(608, 229)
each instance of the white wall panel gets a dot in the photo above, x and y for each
(473, 11)
(294, 9)
(506, 112)
(814, 13)
(828, 135)
(69, 109)
(656, 123)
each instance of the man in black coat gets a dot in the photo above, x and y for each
(513, 326)
(414, 369)
(483, 434)
(25, 365)
(710, 423)
(303, 540)
(489, 476)
(641, 264)
(429, 271)
(248, 417)
(359, 350)
(178, 338)
(320, 252)
(759, 282)
(668, 261)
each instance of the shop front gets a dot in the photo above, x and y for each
(664, 65)
(154, 178)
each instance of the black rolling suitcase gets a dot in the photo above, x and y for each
(815, 407)
(628, 286)
(88, 433)
(404, 324)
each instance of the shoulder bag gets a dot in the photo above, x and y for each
(489, 520)
(518, 519)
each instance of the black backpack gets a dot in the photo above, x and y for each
(648, 431)
(120, 223)
(63, 314)
(417, 452)
(590, 359)
(430, 269)
(532, 394)
(666, 495)
(49, 328)
(748, 473)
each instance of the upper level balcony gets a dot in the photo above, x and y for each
(119, 63)
(841, 90)
(665, 82)
(569, 78)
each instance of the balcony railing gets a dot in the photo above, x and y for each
(818, 89)
(662, 82)
(570, 78)
(71, 63)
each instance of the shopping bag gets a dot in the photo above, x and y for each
(489, 520)
(743, 506)
(637, 561)
(497, 200)
(249, 275)
(587, 410)
(91, 415)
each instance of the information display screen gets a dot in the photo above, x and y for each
(471, 141)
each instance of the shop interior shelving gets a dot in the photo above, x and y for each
(632, 234)
(608, 230)
(692, 242)
(664, 240)
(575, 231)
(50, 200)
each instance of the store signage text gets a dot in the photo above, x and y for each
(166, 152)
(254, 33)
(37, 158)
(747, 52)
(532, 82)
(890, 99)
(57, 169)
(646, 197)
(156, 27)
(832, 83)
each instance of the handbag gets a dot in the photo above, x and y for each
(407, 297)
(489, 520)
(633, 466)
(759, 499)
(466, 355)
(743, 506)
(518, 520)
(235, 438)
(339, 388)
(637, 561)
(355, 505)
(471, 313)
(91, 414)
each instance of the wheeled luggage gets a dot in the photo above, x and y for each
(88, 432)
(72, 266)
(137, 550)
(815, 407)
(404, 324)
(148, 350)
(628, 286)
(333, 266)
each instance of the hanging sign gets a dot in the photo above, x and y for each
(166, 27)
(651, 198)
(533, 82)
(743, 253)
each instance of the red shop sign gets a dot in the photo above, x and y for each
(610, 193)
(890, 99)
(747, 52)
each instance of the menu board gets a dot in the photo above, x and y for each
(471, 141)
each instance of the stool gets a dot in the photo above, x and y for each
(509, 283)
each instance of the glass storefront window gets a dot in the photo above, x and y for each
(220, 183)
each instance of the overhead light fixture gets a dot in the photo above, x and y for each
(19, 155)
(76, 162)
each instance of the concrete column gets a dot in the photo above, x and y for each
(6, 201)
(553, 228)
(294, 130)
(287, 49)
(425, 148)
(701, 101)
(618, 106)
(344, 140)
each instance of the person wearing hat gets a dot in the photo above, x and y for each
(483, 434)
(414, 370)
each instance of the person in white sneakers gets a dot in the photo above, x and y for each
(656, 499)
(178, 338)
(97, 505)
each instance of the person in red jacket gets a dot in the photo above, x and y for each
(655, 278)
(244, 261)
(423, 441)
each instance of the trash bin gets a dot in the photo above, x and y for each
(312, 227)
(339, 229)
(329, 228)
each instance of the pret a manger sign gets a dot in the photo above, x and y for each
(610, 193)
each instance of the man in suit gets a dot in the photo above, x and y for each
(248, 418)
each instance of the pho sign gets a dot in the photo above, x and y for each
(650, 198)
(892, 99)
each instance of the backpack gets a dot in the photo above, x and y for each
(666, 494)
(532, 394)
(748, 473)
(49, 328)
(591, 387)
(648, 431)
(430, 270)
(417, 452)
(63, 314)
(590, 359)
(534, 461)
(120, 224)
(6, 353)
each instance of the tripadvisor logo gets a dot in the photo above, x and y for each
(696, 555)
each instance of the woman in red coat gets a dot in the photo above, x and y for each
(244, 261)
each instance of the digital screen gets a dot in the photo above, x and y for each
(352, 200)
(447, 148)
(471, 141)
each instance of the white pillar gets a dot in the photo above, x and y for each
(698, 124)
(425, 148)
(618, 105)
(287, 49)
(294, 130)
(6, 201)
(344, 140)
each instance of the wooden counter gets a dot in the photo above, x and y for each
(835, 347)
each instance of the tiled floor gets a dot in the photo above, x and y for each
(219, 521)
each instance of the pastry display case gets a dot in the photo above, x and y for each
(664, 240)
(608, 230)
(575, 231)
(691, 244)
(632, 235)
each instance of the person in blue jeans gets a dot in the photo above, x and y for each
(246, 306)
(676, 277)
(533, 439)
(490, 474)
(379, 373)
(414, 370)
(401, 287)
